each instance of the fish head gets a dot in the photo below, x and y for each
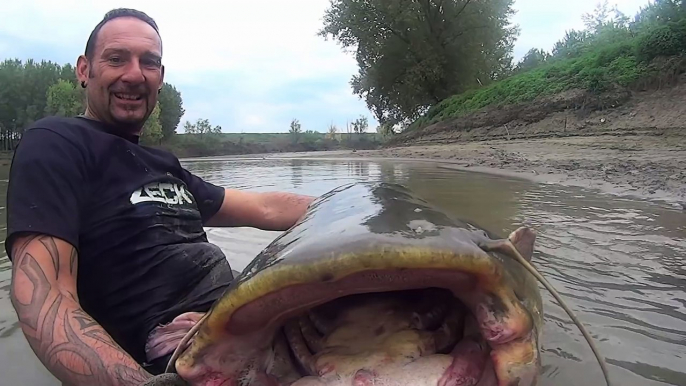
(448, 307)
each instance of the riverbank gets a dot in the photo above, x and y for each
(642, 166)
(630, 143)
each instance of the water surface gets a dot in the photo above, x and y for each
(620, 264)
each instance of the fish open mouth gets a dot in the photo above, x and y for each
(414, 317)
(407, 337)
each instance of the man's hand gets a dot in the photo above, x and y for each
(274, 211)
(71, 345)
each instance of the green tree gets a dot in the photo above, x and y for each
(295, 130)
(571, 46)
(385, 130)
(189, 128)
(332, 132)
(171, 110)
(201, 127)
(660, 12)
(32, 89)
(597, 19)
(413, 54)
(23, 95)
(152, 130)
(64, 99)
(360, 125)
(534, 58)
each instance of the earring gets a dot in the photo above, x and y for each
(83, 84)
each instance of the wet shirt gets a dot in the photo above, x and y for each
(135, 216)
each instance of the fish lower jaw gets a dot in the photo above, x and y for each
(504, 354)
(466, 365)
(471, 362)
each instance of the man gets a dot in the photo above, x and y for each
(106, 236)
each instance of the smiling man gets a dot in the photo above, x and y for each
(106, 236)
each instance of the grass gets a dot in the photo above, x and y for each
(604, 63)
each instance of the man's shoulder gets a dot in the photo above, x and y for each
(71, 129)
(55, 122)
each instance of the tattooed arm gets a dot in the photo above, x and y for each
(71, 344)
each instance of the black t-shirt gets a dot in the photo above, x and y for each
(135, 216)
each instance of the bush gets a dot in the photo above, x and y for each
(662, 40)
(615, 54)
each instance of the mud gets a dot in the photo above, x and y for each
(640, 166)
(633, 146)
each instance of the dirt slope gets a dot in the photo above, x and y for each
(624, 143)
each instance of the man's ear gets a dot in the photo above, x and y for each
(82, 69)
(161, 77)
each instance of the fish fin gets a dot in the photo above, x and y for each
(523, 239)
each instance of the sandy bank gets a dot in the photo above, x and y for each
(649, 167)
(626, 143)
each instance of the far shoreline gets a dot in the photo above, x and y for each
(637, 167)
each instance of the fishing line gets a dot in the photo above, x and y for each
(184, 342)
(501, 243)
(488, 246)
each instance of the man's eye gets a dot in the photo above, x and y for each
(152, 62)
(115, 59)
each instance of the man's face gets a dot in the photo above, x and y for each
(124, 74)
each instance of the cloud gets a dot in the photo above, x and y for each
(247, 66)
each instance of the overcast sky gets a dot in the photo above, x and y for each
(249, 65)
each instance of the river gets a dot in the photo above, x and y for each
(620, 264)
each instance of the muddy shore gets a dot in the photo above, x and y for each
(649, 167)
(623, 142)
(626, 143)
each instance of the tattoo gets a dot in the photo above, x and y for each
(84, 319)
(86, 364)
(130, 376)
(47, 334)
(51, 247)
(29, 313)
(72, 262)
(69, 342)
(86, 324)
(21, 248)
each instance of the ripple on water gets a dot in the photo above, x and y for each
(618, 263)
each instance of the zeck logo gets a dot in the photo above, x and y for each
(164, 192)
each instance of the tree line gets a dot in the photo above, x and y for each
(419, 61)
(611, 54)
(658, 29)
(415, 54)
(33, 89)
(203, 139)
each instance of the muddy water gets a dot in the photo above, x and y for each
(620, 264)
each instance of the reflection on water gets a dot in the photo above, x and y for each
(618, 263)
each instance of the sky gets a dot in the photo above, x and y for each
(251, 65)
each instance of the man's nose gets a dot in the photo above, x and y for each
(133, 73)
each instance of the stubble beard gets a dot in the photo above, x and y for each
(130, 124)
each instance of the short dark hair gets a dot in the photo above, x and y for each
(113, 14)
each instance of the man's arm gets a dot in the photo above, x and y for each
(72, 346)
(275, 211)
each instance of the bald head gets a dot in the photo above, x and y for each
(115, 14)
